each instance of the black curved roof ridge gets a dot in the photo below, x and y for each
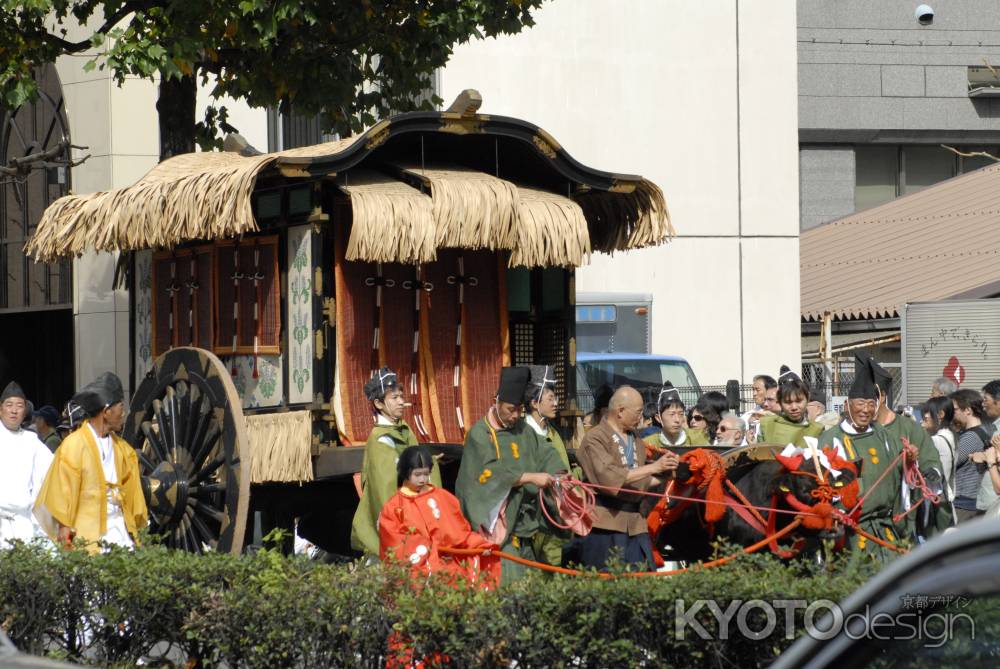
(454, 123)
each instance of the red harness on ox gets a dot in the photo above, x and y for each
(821, 515)
(708, 473)
(708, 478)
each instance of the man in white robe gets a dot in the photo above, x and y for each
(24, 461)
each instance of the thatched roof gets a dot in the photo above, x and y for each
(402, 212)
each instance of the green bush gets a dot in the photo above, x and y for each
(266, 610)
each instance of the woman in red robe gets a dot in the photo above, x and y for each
(420, 519)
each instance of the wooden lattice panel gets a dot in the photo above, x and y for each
(183, 299)
(247, 275)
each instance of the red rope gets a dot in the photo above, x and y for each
(885, 473)
(570, 504)
(576, 572)
(747, 504)
(848, 519)
(772, 523)
(700, 500)
(915, 479)
(818, 516)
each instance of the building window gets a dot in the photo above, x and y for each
(924, 166)
(876, 175)
(968, 164)
(35, 127)
(883, 172)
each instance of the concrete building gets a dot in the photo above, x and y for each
(880, 91)
(881, 88)
(63, 324)
(700, 97)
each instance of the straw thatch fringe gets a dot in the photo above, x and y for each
(472, 209)
(280, 446)
(193, 196)
(209, 196)
(551, 231)
(392, 221)
(621, 221)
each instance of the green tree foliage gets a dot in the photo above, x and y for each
(351, 61)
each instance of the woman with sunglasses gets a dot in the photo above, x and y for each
(705, 418)
(695, 420)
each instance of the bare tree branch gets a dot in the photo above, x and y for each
(21, 166)
(113, 20)
(993, 70)
(971, 154)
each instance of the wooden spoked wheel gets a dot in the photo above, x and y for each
(188, 430)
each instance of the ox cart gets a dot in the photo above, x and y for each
(265, 288)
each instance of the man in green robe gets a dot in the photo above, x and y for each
(867, 443)
(792, 425)
(674, 435)
(503, 466)
(932, 519)
(390, 436)
(540, 409)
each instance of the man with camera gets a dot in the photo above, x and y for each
(613, 457)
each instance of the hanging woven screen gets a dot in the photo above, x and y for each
(248, 300)
(183, 298)
(458, 374)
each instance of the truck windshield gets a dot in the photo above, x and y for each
(636, 373)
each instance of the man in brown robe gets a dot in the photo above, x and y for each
(613, 457)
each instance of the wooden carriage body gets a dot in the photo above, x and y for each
(265, 288)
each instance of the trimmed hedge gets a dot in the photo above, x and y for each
(267, 610)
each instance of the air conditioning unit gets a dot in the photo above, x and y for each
(984, 81)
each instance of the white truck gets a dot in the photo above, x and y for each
(957, 339)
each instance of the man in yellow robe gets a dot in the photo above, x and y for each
(93, 489)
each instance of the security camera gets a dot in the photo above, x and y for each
(925, 15)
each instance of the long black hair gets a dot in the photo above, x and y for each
(712, 405)
(414, 457)
(939, 405)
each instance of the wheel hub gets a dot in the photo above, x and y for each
(168, 493)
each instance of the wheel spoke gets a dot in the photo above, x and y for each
(183, 413)
(182, 537)
(205, 448)
(144, 461)
(154, 440)
(172, 415)
(212, 513)
(206, 489)
(208, 470)
(161, 418)
(194, 417)
(205, 534)
(192, 539)
(188, 537)
(204, 419)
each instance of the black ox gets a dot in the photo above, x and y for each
(765, 483)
